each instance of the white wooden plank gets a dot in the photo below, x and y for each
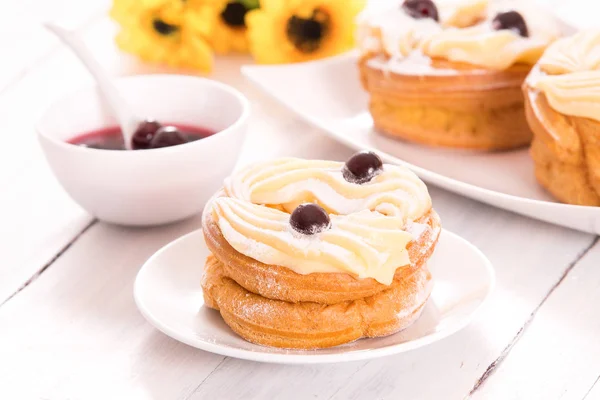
(38, 218)
(558, 356)
(529, 256)
(75, 333)
(594, 393)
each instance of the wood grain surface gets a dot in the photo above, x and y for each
(69, 328)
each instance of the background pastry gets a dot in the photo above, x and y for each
(309, 253)
(563, 110)
(449, 74)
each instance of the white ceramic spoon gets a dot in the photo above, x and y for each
(117, 104)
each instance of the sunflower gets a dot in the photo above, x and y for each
(228, 33)
(301, 30)
(165, 32)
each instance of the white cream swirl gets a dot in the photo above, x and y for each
(484, 46)
(570, 75)
(576, 94)
(386, 27)
(580, 52)
(289, 182)
(462, 13)
(365, 244)
(465, 34)
(392, 31)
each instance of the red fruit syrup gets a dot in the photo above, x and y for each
(111, 138)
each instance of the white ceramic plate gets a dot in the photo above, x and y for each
(167, 291)
(328, 94)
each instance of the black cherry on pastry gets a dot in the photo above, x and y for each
(144, 134)
(362, 167)
(421, 9)
(511, 20)
(167, 136)
(309, 219)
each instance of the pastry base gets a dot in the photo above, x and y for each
(565, 151)
(309, 325)
(469, 108)
(281, 283)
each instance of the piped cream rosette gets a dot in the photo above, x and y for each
(312, 254)
(365, 244)
(377, 230)
(569, 75)
(485, 33)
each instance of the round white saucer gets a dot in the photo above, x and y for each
(168, 293)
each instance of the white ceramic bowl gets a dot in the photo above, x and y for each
(147, 187)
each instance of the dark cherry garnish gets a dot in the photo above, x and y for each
(511, 20)
(309, 219)
(144, 134)
(362, 167)
(167, 136)
(421, 9)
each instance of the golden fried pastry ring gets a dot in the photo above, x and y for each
(281, 283)
(472, 107)
(565, 150)
(311, 325)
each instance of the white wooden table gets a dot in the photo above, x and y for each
(69, 328)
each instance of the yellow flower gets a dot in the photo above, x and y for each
(284, 31)
(165, 32)
(228, 32)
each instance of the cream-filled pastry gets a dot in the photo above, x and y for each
(563, 109)
(449, 73)
(310, 253)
